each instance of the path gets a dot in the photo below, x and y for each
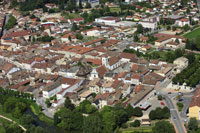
(14, 122)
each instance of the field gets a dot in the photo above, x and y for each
(138, 129)
(193, 34)
(36, 110)
(8, 115)
(115, 9)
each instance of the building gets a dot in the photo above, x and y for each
(194, 107)
(182, 22)
(181, 63)
(107, 20)
(148, 24)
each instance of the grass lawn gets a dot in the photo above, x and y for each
(138, 129)
(71, 15)
(115, 9)
(193, 34)
(36, 110)
(3, 122)
(9, 115)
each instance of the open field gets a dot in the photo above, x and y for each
(193, 34)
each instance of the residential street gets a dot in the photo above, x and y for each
(175, 115)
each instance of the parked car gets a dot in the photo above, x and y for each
(162, 103)
(169, 92)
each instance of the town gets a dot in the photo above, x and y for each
(100, 66)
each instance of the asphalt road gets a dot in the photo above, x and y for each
(174, 114)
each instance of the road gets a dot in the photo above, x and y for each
(13, 121)
(174, 114)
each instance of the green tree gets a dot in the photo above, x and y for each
(136, 123)
(11, 22)
(88, 5)
(80, 4)
(109, 122)
(137, 112)
(160, 97)
(190, 57)
(140, 29)
(129, 110)
(193, 124)
(74, 27)
(93, 124)
(68, 104)
(163, 127)
(79, 36)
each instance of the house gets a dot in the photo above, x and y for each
(107, 20)
(94, 85)
(194, 107)
(92, 32)
(111, 63)
(182, 22)
(75, 20)
(148, 24)
(169, 40)
(181, 63)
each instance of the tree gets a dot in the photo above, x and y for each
(70, 38)
(68, 104)
(129, 110)
(70, 120)
(160, 97)
(48, 103)
(88, 5)
(74, 27)
(137, 112)
(80, 4)
(136, 123)
(190, 57)
(163, 127)
(186, 27)
(93, 124)
(177, 40)
(13, 128)
(79, 36)
(135, 38)
(193, 124)
(109, 122)
(11, 22)
(140, 29)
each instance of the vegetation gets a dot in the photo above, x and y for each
(160, 97)
(168, 56)
(193, 34)
(163, 127)
(189, 75)
(193, 125)
(45, 39)
(159, 113)
(136, 123)
(13, 105)
(180, 106)
(11, 22)
(71, 119)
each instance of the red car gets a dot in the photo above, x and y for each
(162, 103)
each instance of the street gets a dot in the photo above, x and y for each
(175, 115)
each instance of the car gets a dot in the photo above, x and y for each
(162, 103)
(181, 99)
(169, 92)
(174, 118)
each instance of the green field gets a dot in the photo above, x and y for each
(115, 9)
(193, 34)
(37, 111)
(8, 115)
(3, 122)
(138, 129)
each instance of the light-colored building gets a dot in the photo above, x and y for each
(181, 62)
